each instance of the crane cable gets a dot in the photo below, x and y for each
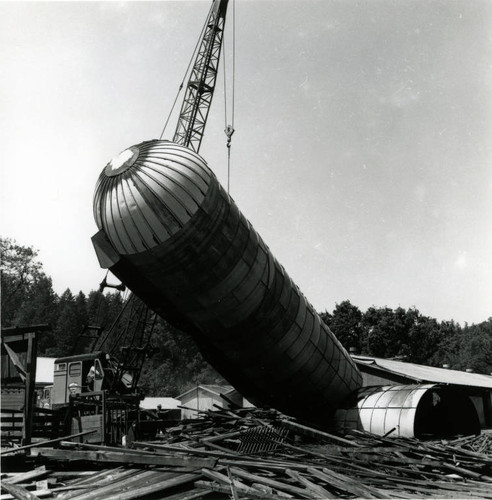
(185, 76)
(229, 128)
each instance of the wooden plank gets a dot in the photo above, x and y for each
(294, 490)
(188, 495)
(316, 490)
(99, 480)
(101, 447)
(249, 493)
(18, 492)
(39, 494)
(31, 361)
(347, 483)
(219, 437)
(190, 451)
(429, 488)
(71, 474)
(221, 448)
(309, 431)
(124, 457)
(12, 434)
(232, 482)
(27, 476)
(43, 443)
(222, 478)
(120, 482)
(165, 484)
(330, 458)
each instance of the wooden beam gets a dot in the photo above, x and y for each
(154, 488)
(116, 482)
(18, 492)
(16, 361)
(21, 330)
(250, 492)
(310, 431)
(31, 362)
(125, 457)
(27, 476)
(43, 443)
(316, 490)
(278, 485)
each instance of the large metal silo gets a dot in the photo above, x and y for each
(171, 233)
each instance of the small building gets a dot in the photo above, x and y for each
(386, 372)
(209, 397)
(18, 379)
(162, 407)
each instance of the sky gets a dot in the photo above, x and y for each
(362, 147)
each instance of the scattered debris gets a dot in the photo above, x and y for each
(254, 453)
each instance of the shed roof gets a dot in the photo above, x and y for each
(166, 403)
(421, 373)
(216, 390)
(45, 370)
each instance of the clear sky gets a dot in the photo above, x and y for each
(362, 151)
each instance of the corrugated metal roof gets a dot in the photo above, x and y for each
(423, 373)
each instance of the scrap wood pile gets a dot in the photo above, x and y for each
(262, 454)
(480, 444)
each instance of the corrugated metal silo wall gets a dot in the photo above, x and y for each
(215, 278)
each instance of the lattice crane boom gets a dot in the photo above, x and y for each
(201, 84)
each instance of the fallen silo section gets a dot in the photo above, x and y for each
(420, 411)
(170, 232)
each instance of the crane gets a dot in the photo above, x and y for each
(189, 132)
(137, 327)
(118, 355)
(201, 84)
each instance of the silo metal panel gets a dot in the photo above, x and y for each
(407, 422)
(377, 422)
(393, 417)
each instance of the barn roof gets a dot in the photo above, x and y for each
(421, 373)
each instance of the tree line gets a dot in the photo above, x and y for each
(28, 298)
(410, 336)
(173, 366)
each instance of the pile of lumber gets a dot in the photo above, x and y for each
(261, 454)
(480, 444)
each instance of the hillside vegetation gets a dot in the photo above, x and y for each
(28, 298)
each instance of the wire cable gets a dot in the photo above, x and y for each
(229, 128)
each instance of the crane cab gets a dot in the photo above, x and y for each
(79, 374)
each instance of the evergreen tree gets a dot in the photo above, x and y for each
(346, 324)
(177, 365)
(40, 307)
(67, 329)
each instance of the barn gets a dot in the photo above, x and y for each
(209, 397)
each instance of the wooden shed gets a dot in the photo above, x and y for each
(209, 397)
(18, 380)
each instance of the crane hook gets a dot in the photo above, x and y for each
(229, 130)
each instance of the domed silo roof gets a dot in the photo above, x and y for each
(147, 193)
